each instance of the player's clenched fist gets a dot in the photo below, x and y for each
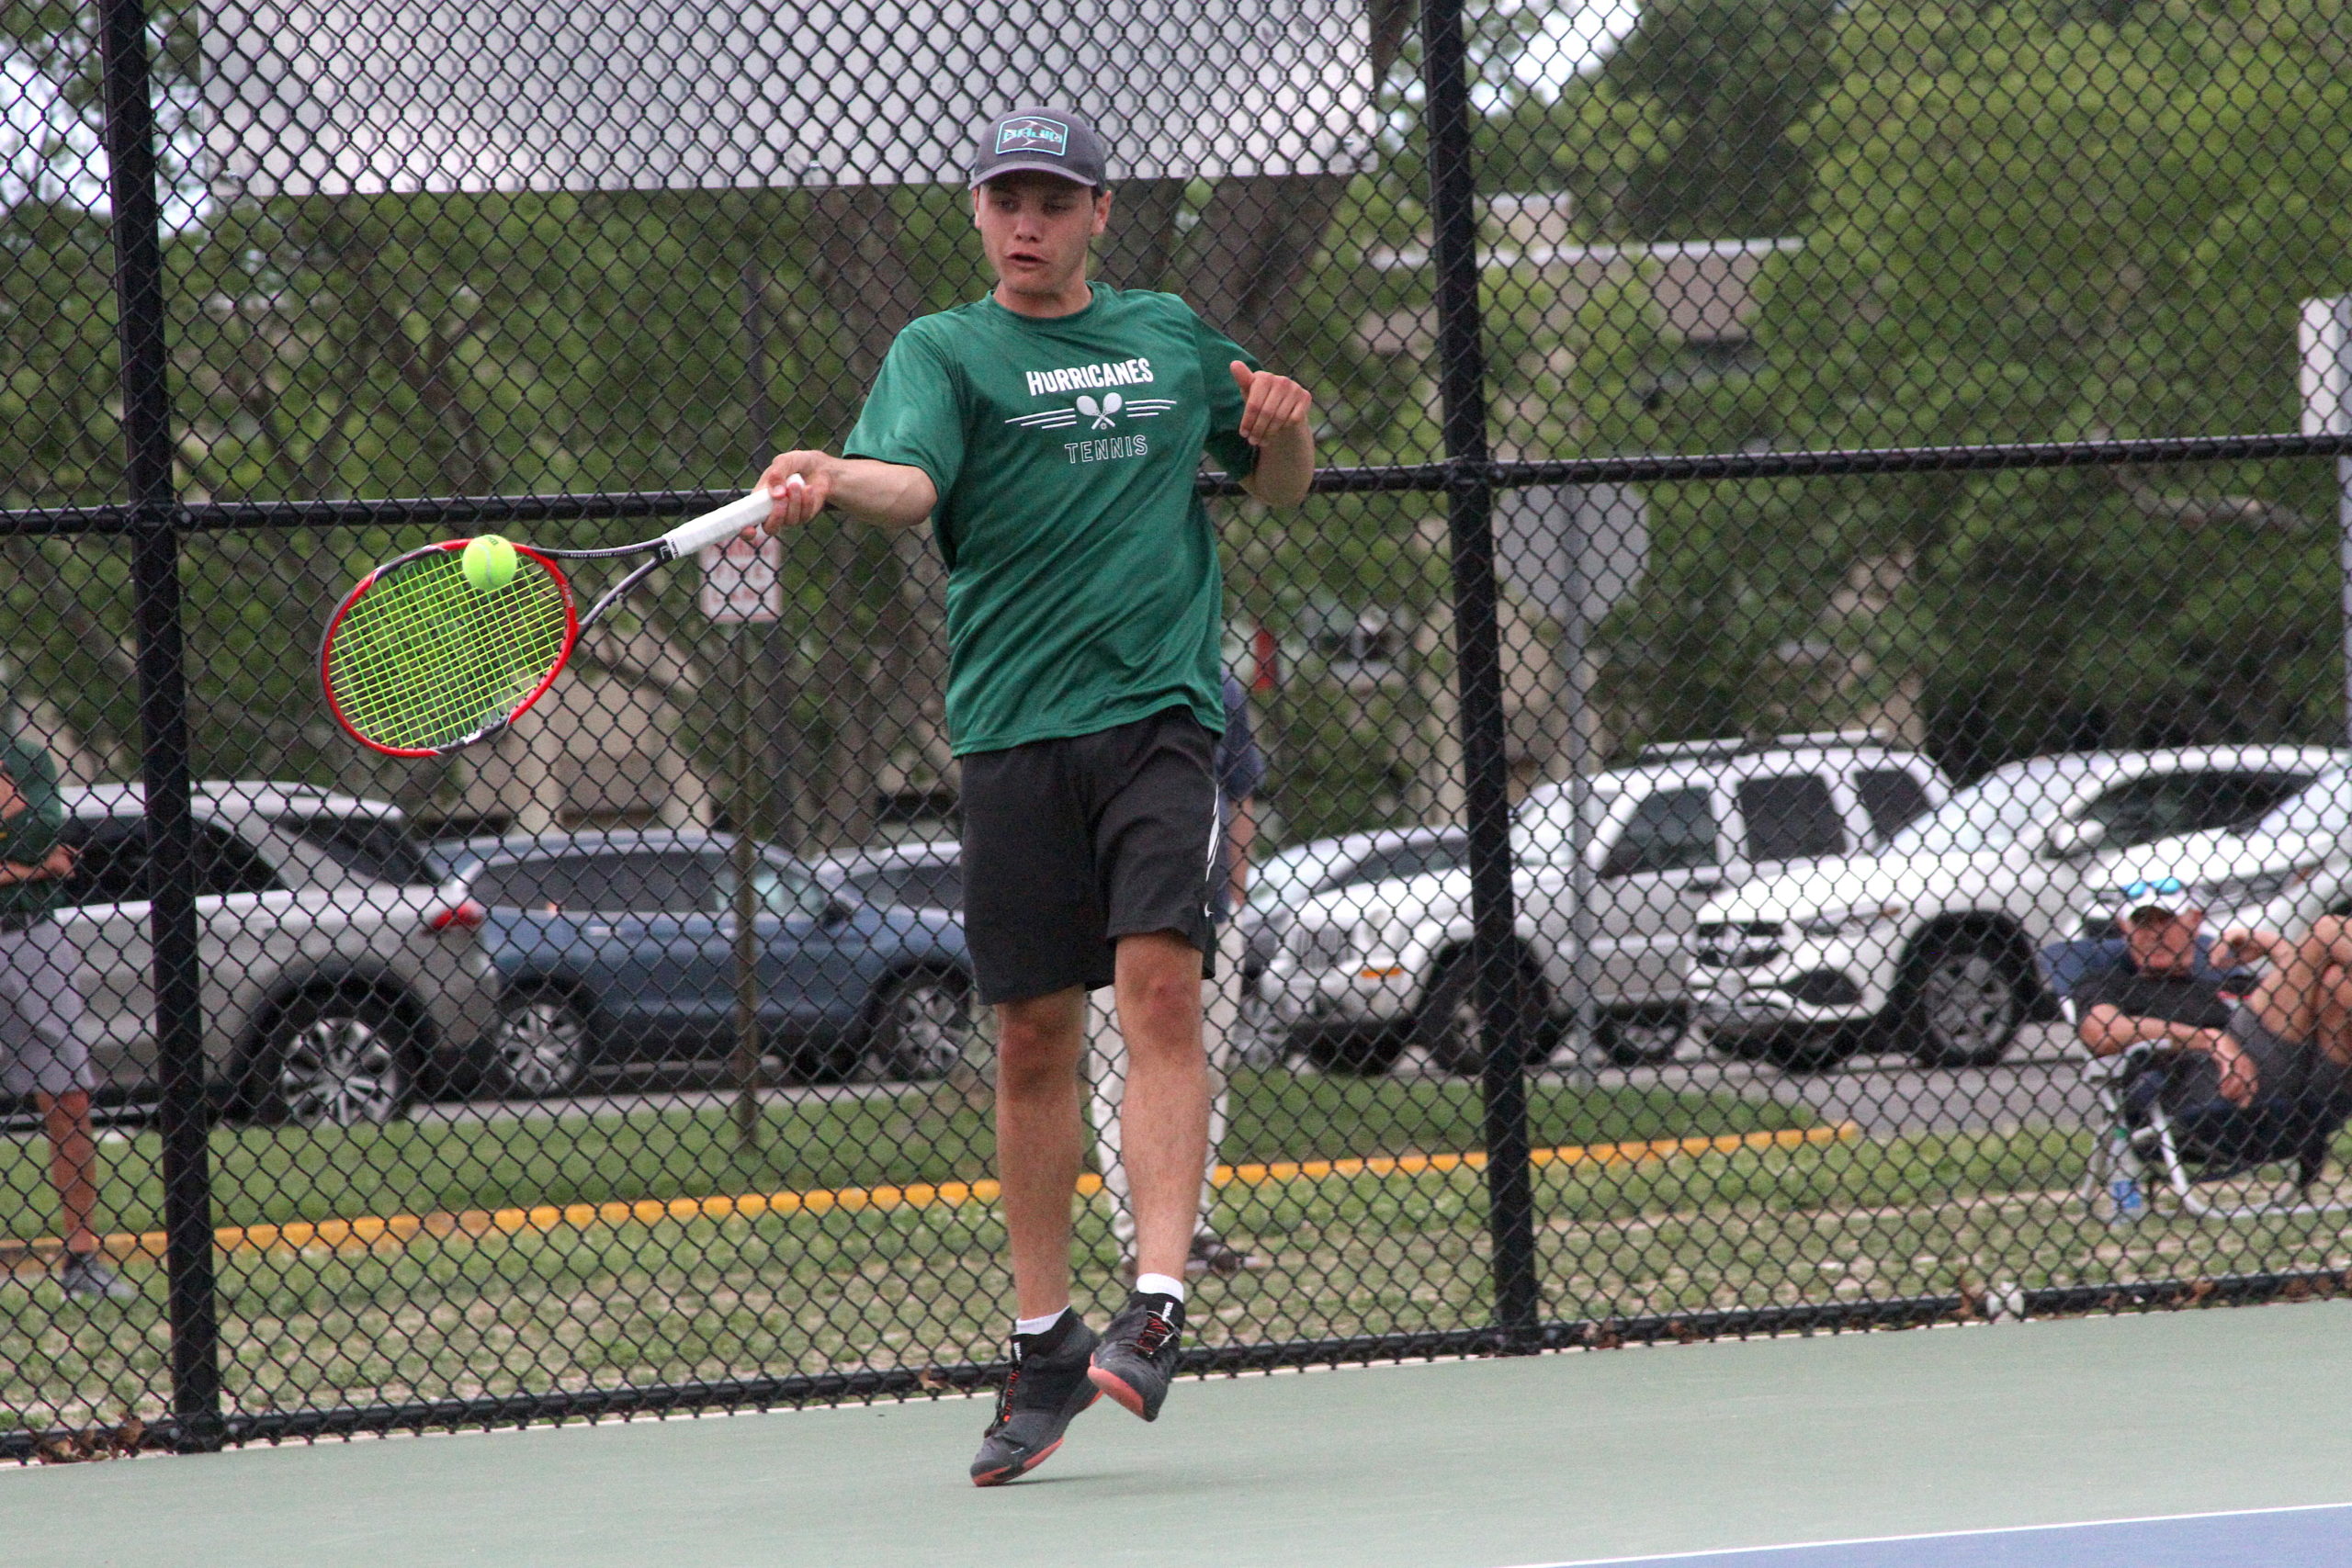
(799, 484)
(1270, 403)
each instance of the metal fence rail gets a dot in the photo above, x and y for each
(1745, 372)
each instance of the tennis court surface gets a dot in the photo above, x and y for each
(2222, 1433)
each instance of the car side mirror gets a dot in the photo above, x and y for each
(2068, 840)
(835, 912)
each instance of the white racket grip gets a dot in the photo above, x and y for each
(723, 524)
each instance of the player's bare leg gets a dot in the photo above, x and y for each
(1164, 1142)
(1040, 1141)
(1164, 1114)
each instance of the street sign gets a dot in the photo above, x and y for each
(742, 581)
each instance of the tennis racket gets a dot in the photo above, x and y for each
(419, 663)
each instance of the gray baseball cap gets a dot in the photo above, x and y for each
(1049, 140)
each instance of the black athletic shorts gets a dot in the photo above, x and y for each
(1071, 844)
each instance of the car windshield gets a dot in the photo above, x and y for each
(2324, 807)
(1993, 813)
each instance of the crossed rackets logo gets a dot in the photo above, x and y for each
(1102, 415)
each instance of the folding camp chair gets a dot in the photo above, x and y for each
(2143, 1144)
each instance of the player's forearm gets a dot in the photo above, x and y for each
(1285, 467)
(888, 495)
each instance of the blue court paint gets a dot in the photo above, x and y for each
(2271, 1537)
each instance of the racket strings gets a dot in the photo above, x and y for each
(424, 660)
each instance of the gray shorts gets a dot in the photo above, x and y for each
(41, 1049)
(2286, 1069)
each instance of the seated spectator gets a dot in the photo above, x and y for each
(2288, 1045)
(2160, 997)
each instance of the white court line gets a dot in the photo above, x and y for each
(1936, 1535)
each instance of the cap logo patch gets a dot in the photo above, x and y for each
(1032, 134)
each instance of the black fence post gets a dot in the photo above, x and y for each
(163, 721)
(1503, 1023)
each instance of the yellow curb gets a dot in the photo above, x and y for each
(370, 1231)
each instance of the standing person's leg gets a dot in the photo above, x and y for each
(40, 1043)
(1220, 1023)
(72, 1158)
(1106, 1072)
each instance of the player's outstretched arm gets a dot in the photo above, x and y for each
(1276, 417)
(888, 495)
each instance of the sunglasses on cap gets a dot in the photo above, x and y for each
(2164, 895)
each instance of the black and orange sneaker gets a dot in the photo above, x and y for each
(1137, 1355)
(1043, 1393)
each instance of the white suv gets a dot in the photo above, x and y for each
(1931, 941)
(1367, 969)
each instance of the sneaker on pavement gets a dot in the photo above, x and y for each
(1137, 1355)
(86, 1278)
(1043, 1393)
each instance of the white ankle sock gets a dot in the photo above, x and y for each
(1037, 1325)
(1160, 1285)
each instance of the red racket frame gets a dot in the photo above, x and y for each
(334, 622)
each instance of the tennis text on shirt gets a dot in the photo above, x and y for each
(1083, 589)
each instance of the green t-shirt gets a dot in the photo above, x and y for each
(1082, 582)
(27, 835)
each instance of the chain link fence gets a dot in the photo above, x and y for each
(1819, 504)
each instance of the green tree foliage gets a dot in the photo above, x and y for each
(2029, 229)
(1720, 86)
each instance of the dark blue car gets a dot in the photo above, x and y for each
(617, 950)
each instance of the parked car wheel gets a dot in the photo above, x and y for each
(1364, 1052)
(338, 1060)
(1644, 1036)
(1452, 1031)
(922, 1026)
(541, 1045)
(1967, 1002)
(1808, 1050)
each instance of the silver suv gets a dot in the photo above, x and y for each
(333, 974)
(1367, 969)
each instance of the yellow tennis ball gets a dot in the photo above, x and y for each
(488, 563)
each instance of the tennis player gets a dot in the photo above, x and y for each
(1052, 430)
